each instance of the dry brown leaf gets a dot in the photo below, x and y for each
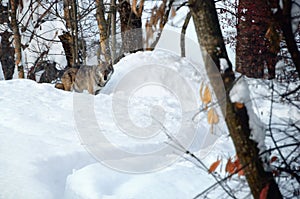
(230, 167)
(273, 159)
(239, 105)
(238, 166)
(241, 173)
(214, 166)
(206, 98)
(133, 7)
(212, 116)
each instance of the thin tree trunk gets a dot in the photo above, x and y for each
(183, 31)
(7, 53)
(237, 119)
(103, 29)
(113, 29)
(17, 38)
(75, 31)
(70, 16)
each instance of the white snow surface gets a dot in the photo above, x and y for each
(41, 155)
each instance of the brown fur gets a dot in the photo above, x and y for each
(59, 86)
(90, 78)
(67, 79)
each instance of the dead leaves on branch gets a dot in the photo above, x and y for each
(214, 166)
(158, 19)
(205, 94)
(233, 166)
(137, 9)
(206, 98)
(212, 116)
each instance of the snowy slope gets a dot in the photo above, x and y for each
(41, 155)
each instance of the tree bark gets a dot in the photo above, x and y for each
(113, 29)
(70, 16)
(208, 30)
(17, 38)
(75, 31)
(7, 55)
(103, 29)
(237, 119)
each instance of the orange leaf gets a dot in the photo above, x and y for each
(230, 167)
(205, 94)
(238, 167)
(212, 116)
(264, 192)
(214, 166)
(273, 159)
(241, 172)
(206, 98)
(237, 162)
(239, 105)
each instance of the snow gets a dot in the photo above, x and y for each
(281, 4)
(224, 64)
(1, 73)
(42, 154)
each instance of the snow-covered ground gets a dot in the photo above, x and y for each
(41, 155)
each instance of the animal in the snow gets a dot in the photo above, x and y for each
(90, 78)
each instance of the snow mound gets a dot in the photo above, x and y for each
(42, 156)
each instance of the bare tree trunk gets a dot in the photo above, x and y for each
(103, 29)
(17, 38)
(113, 29)
(70, 16)
(237, 119)
(82, 43)
(7, 55)
(75, 31)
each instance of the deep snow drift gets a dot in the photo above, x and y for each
(41, 155)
